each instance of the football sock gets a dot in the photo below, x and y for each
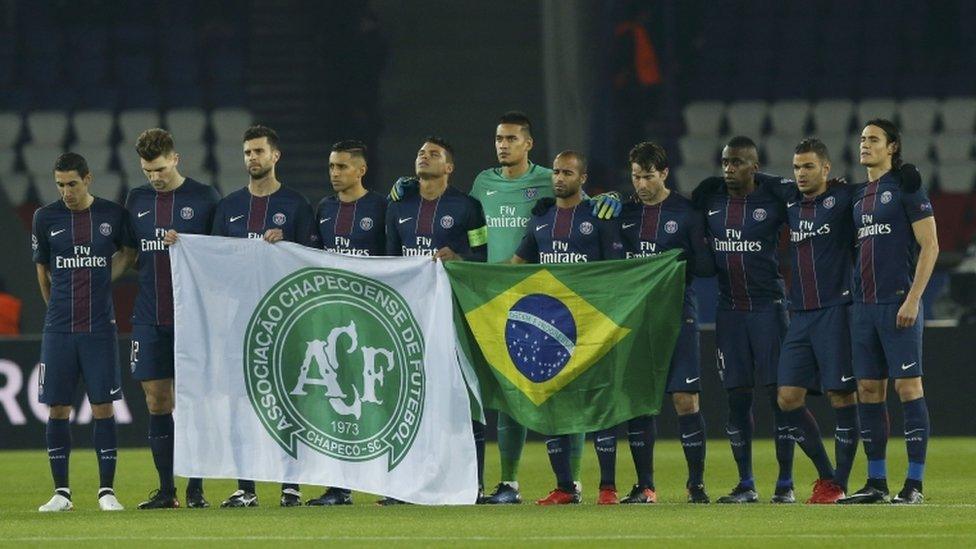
(58, 435)
(558, 449)
(576, 445)
(194, 485)
(806, 434)
(105, 440)
(739, 430)
(916, 436)
(479, 449)
(692, 430)
(246, 485)
(511, 441)
(874, 435)
(784, 443)
(640, 435)
(846, 436)
(161, 444)
(605, 443)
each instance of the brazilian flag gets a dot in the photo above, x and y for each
(570, 348)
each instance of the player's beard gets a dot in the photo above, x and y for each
(564, 192)
(259, 175)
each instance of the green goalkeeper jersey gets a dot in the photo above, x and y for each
(508, 206)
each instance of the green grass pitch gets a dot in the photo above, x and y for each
(947, 519)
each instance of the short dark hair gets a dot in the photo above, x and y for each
(444, 144)
(580, 158)
(517, 118)
(649, 154)
(741, 142)
(813, 145)
(894, 136)
(154, 143)
(351, 146)
(258, 131)
(72, 162)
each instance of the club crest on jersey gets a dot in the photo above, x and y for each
(759, 214)
(586, 227)
(447, 222)
(366, 223)
(829, 202)
(105, 229)
(186, 213)
(531, 193)
(279, 219)
(328, 367)
(671, 227)
(886, 197)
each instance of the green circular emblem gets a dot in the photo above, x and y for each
(335, 361)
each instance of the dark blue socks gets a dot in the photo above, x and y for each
(739, 430)
(806, 433)
(692, 430)
(161, 444)
(874, 435)
(58, 436)
(641, 432)
(916, 437)
(558, 449)
(846, 435)
(783, 438)
(105, 440)
(605, 443)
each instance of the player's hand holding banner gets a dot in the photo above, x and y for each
(295, 365)
(571, 348)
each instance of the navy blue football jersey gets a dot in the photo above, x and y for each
(416, 226)
(569, 235)
(744, 233)
(77, 247)
(674, 223)
(243, 215)
(189, 209)
(886, 246)
(353, 228)
(821, 244)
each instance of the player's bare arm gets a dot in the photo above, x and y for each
(928, 240)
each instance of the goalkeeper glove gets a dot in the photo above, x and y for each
(607, 205)
(402, 187)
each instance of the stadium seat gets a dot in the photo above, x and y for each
(47, 127)
(789, 117)
(875, 108)
(39, 159)
(778, 149)
(93, 127)
(704, 118)
(689, 175)
(99, 157)
(917, 145)
(832, 117)
(747, 118)
(129, 164)
(957, 178)
(16, 186)
(954, 147)
(918, 115)
(45, 188)
(187, 126)
(838, 145)
(9, 128)
(701, 150)
(229, 125)
(958, 114)
(8, 160)
(230, 165)
(193, 160)
(108, 185)
(134, 122)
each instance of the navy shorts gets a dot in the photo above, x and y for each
(684, 376)
(66, 356)
(151, 354)
(882, 350)
(817, 351)
(748, 346)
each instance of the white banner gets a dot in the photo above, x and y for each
(297, 365)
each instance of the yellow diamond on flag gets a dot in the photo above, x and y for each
(541, 335)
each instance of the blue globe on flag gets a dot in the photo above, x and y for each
(540, 335)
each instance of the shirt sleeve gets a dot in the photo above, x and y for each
(477, 233)
(217, 227)
(782, 188)
(213, 199)
(701, 262)
(393, 245)
(529, 249)
(916, 205)
(126, 237)
(40, 247)
(611, 245)
(305, 232)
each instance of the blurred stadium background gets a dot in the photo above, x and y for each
(89, 75)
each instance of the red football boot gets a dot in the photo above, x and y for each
(825, 491)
